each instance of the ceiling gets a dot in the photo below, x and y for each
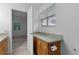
(23, 14)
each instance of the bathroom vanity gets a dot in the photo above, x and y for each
(47, 44)
(3, 44)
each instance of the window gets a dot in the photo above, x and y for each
(52, 20)
(44, 22)
(48, 17)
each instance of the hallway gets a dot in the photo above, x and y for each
(20, 46)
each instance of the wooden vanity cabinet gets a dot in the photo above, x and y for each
(44, 48)
(4, 47)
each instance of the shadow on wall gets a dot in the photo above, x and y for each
(64, 49)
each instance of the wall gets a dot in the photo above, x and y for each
(44, 6)
(67, 22)
(42, 28)
(35, 18)
(18, 18)
(30, 30)
(32, 24)
(6, 17)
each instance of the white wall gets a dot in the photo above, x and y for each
(30, 30)
(23, 21)
(6, 17)
(32, 24)
(68, 22)
(35, 18)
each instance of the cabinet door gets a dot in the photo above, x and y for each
(2, 50)
(44, 49)
(38, 46)
(58, 46)
(57, 52)
(5, 43)
(34, 42)
(4, 47)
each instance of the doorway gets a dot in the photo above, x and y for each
(19, 32)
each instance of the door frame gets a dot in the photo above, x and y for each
(11, 43)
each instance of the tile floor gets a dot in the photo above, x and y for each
(20, 46)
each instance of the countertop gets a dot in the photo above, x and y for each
(3, 36)
(48, 37)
